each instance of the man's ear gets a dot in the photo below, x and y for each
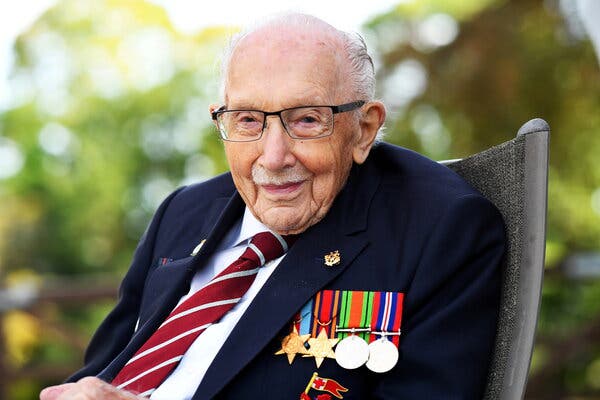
(212, 108)
(370, 122)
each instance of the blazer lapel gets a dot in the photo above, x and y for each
(171, 281)
(299, 276)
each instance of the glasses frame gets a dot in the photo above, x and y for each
(341, 108)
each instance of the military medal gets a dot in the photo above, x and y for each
(355, 318)
(383, 355)
(321, 347)
(352, 351)
(387, 317)
(293, 344)
(347, 320)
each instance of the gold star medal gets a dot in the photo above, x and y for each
(321, 347)
(293, 344)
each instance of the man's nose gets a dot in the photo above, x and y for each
(276, 146)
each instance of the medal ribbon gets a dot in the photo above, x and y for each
(387, 315)
(381, 311)
(325, 312)
(356, 308)
(306, 317)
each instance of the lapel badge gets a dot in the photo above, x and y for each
(332, 258)
(197, 248)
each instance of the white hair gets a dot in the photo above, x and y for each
(361, 68)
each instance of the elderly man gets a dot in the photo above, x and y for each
(389, 285)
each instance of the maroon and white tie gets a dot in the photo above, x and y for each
(159, 356)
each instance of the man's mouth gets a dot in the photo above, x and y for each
(282, 189)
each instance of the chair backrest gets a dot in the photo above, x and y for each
(514, 176)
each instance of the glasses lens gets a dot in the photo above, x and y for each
(308, 122)
(240, 125)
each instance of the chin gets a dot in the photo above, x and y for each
(283, 227)
(286, 224)
(283, 223)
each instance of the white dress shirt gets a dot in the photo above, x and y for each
(186, 377)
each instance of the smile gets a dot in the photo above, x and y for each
(284, 190)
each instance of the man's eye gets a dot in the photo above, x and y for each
(308, 120)
(247, 119)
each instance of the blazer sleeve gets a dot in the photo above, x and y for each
(117, 328)
(451, 307)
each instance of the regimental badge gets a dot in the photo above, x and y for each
(332, 258)
(323, 385)
(293, 344)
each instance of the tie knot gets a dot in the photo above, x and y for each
(269, 246)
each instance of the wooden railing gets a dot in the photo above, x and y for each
(34, 299)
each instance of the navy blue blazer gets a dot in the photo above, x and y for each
(402, 223)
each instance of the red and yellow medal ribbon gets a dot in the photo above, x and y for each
(325, 313)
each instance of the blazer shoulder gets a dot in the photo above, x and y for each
(404, 170)
(213, 188)
(191, 214)
(198, 197)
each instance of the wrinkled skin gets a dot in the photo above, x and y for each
(88, 388)
(271, 70)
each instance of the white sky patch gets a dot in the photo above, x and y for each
(407, 81)
(55, 139)
(438, 30)
(187, 16)
(11, 158)
(15, 17)
(190, 16)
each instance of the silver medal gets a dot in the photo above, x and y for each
(351, 352)
(383, 355)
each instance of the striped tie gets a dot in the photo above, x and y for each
(159, 356)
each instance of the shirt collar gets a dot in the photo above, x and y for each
(250, 227)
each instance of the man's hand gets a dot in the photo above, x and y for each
(88, 388)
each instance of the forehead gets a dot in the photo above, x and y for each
(285, 68)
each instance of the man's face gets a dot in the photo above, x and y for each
(289, 184)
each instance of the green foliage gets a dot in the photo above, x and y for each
(110, 115)
(510, 62)
(118, 137)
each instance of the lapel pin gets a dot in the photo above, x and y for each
(332, 258)
(321, 384)
(197, 248)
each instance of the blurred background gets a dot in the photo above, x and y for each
(103, 111)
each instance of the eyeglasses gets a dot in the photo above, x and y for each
(307, 122)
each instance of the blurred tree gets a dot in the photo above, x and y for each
(112, 116)
(461, 77)
(109, 114)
